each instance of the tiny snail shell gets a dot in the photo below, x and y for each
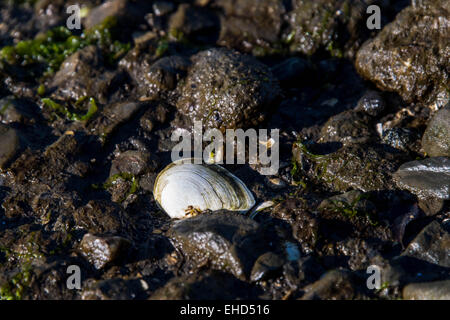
(184, 186)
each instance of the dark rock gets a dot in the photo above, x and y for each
(372, 103)
(432, 244)
(101, 251)
(250, 26)
(305, 225)
(302, 271)
(333, 285)
(402, 270)
(431, 206)
(211, 285)
(112, 289)
(81, 75)
(154, 116)
(436, 290)
(402, 221)
(113, 117)
(400, 138)
(436, 139)
(12, 110)
(133, 162)
(338, 26)
(120, 190)
(347, 127)
(429, 178)
(9, 144)
(100, 217)
(354, 200)
(266, 266)
(357, 166)
(161, 76)
(193, 20)
(225, 89)
(63, 150)
(127, 12)
(229, 242)
(414, 64)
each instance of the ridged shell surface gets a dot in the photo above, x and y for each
(182, 186)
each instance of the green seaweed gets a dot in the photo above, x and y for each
(16, 286)
(62, 110)
(163, 46)
(41, 90)
(53, 47)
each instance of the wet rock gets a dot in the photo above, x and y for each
(347, 127)
(402, 270)
(432, 244)
(333, 285)
(12, 110)
(265, 266)
(354, 200)
(401, 222)
(65, 148)
(302, 271)
(431, 206)
(414, 64)
(49, 280)
(429, 178)
(365, 167)
(436, 290)
(192, 21)
(153, 117)
(112, 289)
(161, 76)
(229, 242)
(114, 116)
(100, 217)
(133, 162)
(250, 26)
(400, 138)
(122, 190)
(436, 139)
(305, 226)
(126, 12)
(211, 285)
(101, 251)
(9, 144)
(337, 26)
(225, 89)
(81, 75)
(372, 103)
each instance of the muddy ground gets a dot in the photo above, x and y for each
(86, 118)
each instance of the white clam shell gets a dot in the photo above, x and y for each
(183, 185)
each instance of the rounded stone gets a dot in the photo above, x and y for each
(225, 89)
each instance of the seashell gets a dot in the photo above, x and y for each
(184, 187)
